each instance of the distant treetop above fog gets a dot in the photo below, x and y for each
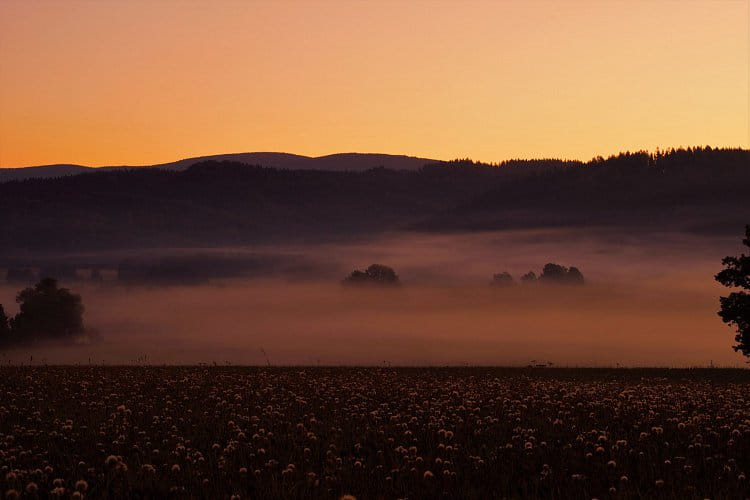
(503, 279)
(555, 273)
(377, 274)
(529, 277)
(551, 274)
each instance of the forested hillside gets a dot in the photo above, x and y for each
(226, 203)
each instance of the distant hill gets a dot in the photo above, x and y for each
(354, 162)
(41, 172)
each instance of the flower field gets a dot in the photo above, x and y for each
(245, 432)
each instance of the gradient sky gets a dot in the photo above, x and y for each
(142, 82)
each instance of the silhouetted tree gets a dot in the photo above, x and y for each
(47, 311)
(376, 273)
(529, 277)
(4, 326)
(735, 307)
(575, 276)
(502, 279)
(382, 273)
(555, 273)
(357, 276)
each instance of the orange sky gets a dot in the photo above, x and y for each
(140, 82)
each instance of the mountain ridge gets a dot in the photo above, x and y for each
(355, 162)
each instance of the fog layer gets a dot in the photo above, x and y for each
(650, 300)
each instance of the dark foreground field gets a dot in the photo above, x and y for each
(216, 432)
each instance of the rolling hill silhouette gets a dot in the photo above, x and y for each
(354, 162)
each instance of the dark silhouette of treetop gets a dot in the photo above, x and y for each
(529, 277)
(375, 274)
(551, 273)
(503, 279)
(735, 307)
(575, 276)
(47, 312)
(555, 273)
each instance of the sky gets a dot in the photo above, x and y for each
(144, 82)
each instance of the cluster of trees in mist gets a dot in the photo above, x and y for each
(551, 273)
(379, 274)
(228, 203)
(46, 312)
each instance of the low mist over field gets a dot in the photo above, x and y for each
(649, 300)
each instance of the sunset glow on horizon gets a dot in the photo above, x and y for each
(109, 83)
